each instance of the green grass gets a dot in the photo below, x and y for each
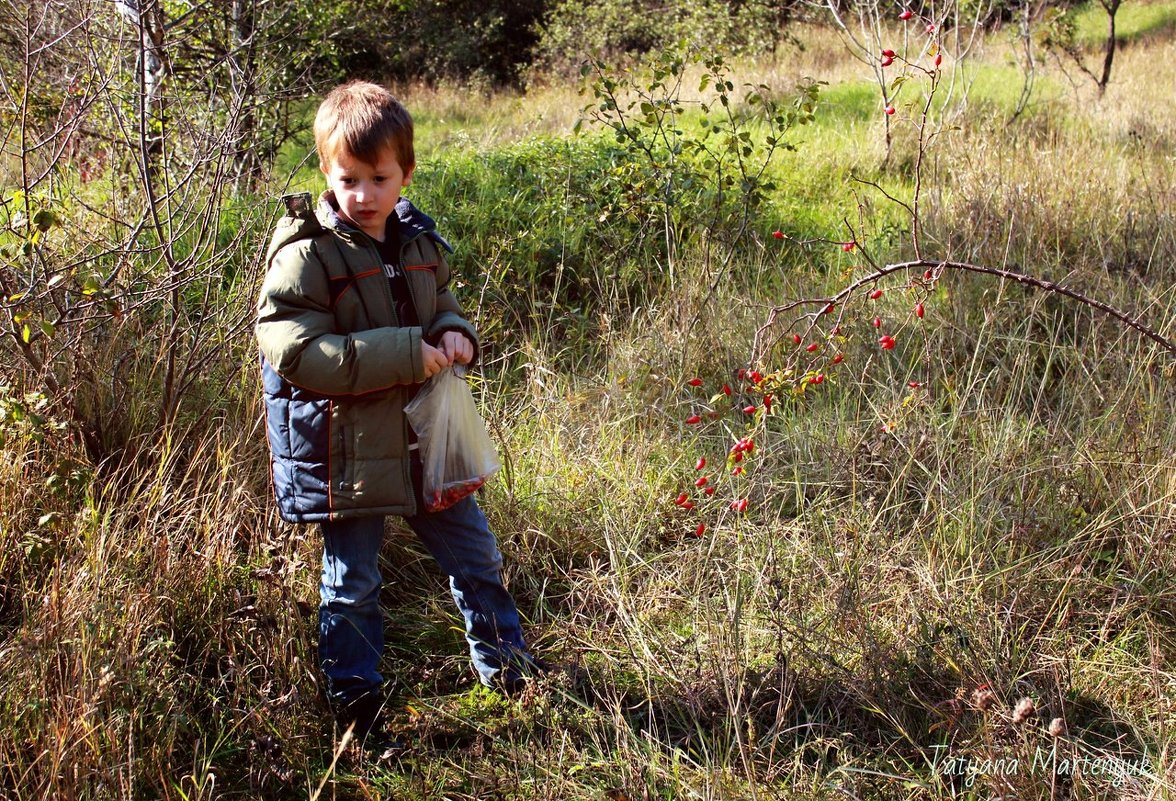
(1133, 21)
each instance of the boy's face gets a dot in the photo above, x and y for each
(367, 193)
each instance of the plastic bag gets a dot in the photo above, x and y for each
(456, 452)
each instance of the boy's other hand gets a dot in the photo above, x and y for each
(457, 347)
(433, 359)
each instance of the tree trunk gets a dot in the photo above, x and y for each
(1112, 8)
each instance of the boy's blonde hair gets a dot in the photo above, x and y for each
(362, 119)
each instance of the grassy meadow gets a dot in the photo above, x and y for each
(934, 533)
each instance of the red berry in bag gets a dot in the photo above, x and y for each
(450, 494)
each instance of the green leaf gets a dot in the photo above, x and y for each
(44, 219)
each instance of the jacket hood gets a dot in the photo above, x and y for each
(413, 221)
(301, 222)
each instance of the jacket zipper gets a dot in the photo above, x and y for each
(396, 319)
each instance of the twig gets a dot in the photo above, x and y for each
(759, 350)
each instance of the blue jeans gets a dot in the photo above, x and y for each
(351, 626)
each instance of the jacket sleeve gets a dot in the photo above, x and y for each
(449, 316)
(296, 332)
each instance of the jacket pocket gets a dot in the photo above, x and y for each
(342, 453)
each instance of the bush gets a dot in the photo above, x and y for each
(574, 30)
(431, 41)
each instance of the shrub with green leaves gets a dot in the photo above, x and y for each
(603, 219)
(575, 30)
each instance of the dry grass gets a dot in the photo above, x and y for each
(913, 563)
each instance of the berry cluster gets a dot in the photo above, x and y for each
(888, 56)
(752, 395)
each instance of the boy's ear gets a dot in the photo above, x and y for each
(408, 175)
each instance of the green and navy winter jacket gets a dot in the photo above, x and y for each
(337, 367)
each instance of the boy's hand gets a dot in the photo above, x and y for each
(433, 359)
(456, 347)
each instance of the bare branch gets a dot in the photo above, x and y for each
(760, 348)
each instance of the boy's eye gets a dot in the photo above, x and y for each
(379, 179)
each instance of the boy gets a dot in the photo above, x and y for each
(354, 314)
